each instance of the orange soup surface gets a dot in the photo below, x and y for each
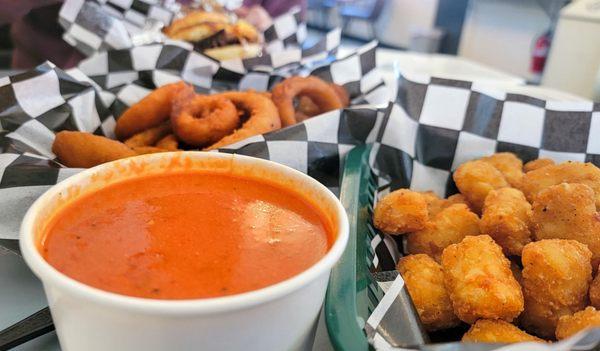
(188, 235)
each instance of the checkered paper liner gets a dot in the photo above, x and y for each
(434, 126)
(113, 68)
(36, 104)
(92, 26)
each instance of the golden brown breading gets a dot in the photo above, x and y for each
(509, 165)
(572, 324)
(506, 217)
(556, 278)
(595, 290)
(568, 172)
(457, 199)
(475, 179)
(425, 282)
(479, 280)
(536, 164)
(434, 204)
(400, 212)
(497, 331)
(567, 211)
(449, 226)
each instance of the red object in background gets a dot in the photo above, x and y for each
(540, 53)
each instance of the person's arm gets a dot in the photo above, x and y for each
(12, 10)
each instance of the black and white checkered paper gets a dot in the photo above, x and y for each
(36, 104)
(93, 26)
(437, 124)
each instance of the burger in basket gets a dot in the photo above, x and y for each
(217, 35)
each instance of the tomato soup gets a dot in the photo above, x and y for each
(186, 235)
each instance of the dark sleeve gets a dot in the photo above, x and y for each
(12, 10)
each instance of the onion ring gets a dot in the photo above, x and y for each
(149, 137)
(142, 150)
(342, 94)
(320, 92)
(263, 116)
(84, 150)
(204, 120)
(169, 142)
(150, 111)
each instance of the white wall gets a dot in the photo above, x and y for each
(500, 33)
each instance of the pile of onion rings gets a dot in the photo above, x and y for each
(174, 117)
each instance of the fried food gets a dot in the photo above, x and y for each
(204, 119)
(435, 205)
(569, 325)
(497, 331)
(475, 179)
(595, 291)
(263, 116)
(85, 150)
(457, 199)
(320, 92)
(169, 142)
(450, 226)
(424, 280)
(142, 150)
(506, 217)
(479, 281)
(536, 164)
(556, 278)
(151, 111)
(567, 211)
(509, 165)
(400, 212)
(149, 137)
(306, 108)
(568, 172)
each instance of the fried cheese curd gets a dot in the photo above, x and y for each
(449, 226)
(572, 324)
(506, 217)
(497, 331)
(595, 291)
(509, 165)
(400, 212)
(424, 280)
(556, 279)
(568, 172)
(475, 179)
(536, 164)
(480, 282)
(567, 211)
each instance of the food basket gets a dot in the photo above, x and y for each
(354, 287)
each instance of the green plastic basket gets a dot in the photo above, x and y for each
(353, 293)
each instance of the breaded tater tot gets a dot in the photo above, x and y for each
(400, 212)
(595, 290)
(535, 164)
(479, 281)
(556, 278)
(506, 217)
(567, 172)
(425, 282)
(475, 179)
(567, 211)
(456, 199)
(509, 165)
(497, 331)
(434, 204)
(569, 325)
(449, 226)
